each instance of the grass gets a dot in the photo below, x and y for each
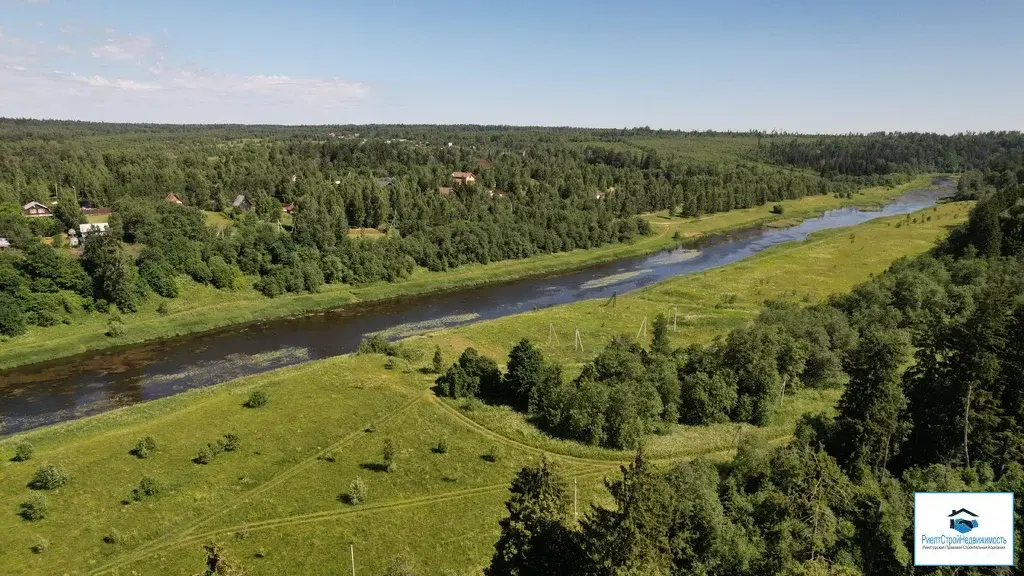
(97, 218)
(204, 308)
(216, 219)
(326, 422)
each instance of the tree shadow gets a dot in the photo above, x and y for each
(374, 466)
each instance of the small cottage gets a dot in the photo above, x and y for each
(173, 198)
(288, 208)
(36, 210)
(463, 178)
(241, 203)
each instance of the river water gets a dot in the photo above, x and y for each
(93, 382)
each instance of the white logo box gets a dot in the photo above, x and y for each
(981, 533)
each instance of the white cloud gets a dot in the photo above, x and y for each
(129, 78)
(130, 47)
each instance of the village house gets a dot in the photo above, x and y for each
(241, 203)
(173, 198)
(288, 208)
(36, 210)
(444, 190)
(463, 178)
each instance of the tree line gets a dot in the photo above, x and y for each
(934, 383)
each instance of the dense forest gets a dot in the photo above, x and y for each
(929, 354)
(535, 191)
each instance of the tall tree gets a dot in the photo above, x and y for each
(535, 539)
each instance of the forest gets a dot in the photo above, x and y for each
(929, 356)
(536, 191)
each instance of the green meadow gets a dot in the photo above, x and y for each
(202, 307)
(279, 501)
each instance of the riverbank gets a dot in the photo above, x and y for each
(274, 503)
(202, 308)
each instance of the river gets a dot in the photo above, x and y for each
(94, 382)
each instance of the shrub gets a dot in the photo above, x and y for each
(206, 454)
(356, 494)
(115, 537)
(438, 360)
(34, 509)
(163, 309)
(48, 477)
(377, 344)
(232, 442)
(492, 454)
(116, 328)
(328, 457)
(41, 545)
(23, 452)
(144, 447)
(390, 363)
(778, 209)
(442, 446)
(258, 399)
(147, 487)
(389, 455)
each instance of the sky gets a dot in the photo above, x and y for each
(789, 65)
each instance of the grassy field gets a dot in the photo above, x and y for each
(276, 504)
(204, 308)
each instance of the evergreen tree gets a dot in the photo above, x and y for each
(535, 540)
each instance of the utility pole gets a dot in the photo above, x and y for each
(352, 554)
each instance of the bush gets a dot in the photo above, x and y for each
(778, 209)
(390, 363)
(492, 454)
(34, 509)
(144, 447)
(356, 494)
(258, 399)
(115, 537)
(389, 455)
(442, 446)
(41, 545)
(48, 477)
(163, 309)
(206, 454)
(116, 328)
(377, 344)
(232, 442)
(147, 487)
(438, 360)
(23, 452)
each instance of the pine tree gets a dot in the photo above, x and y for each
(534, 538)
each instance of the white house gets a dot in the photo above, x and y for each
(86, 229)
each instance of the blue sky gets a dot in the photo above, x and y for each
(797, 65)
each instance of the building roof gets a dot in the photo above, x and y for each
(384, 182)
(288, 208)
(445, 190)
(34, 204)
(239, 200)
(463, 175)
(174, 198)
(483, 163)
(94, 227)
(5, 243)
